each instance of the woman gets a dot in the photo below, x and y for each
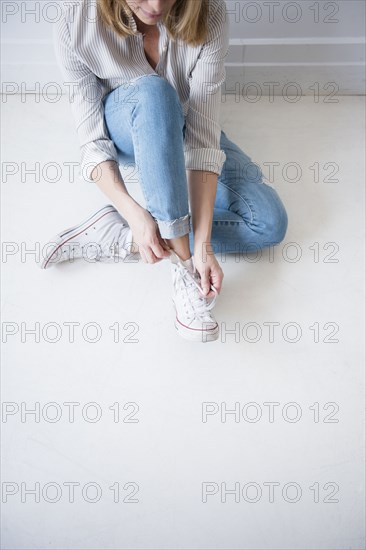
(144, 79)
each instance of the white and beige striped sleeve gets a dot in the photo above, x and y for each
(203, 130)
(85, 95)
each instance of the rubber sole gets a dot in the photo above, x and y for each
(197, 335)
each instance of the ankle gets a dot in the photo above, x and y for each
(181, 247)
(184, 257)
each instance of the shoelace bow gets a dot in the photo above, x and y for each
(198, 303)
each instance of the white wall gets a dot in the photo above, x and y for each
(303, 42)
(275, 41)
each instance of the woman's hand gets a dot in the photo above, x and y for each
(146, 235)
(208, 268)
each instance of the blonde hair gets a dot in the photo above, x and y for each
(187, 20)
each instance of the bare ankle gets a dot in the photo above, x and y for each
(180, 245)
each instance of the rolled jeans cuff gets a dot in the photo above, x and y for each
(174, 228)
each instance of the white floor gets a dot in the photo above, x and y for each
(172, 465)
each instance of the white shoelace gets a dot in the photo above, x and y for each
(188, 281)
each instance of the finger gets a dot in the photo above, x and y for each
(218, 287)
(159, 251)
(205, 283)
(151, 257)
(217, 283)
(164, 244)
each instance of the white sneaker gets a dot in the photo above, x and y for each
(105, 236)
(194, 320)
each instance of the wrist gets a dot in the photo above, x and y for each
(128, 207)
(202, 235)
(203, 247)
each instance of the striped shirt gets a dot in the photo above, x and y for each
(94, 60)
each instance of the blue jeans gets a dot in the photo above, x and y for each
(146, 123)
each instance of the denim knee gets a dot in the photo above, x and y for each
(161, 97)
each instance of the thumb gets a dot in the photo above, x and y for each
(205, 282)
(164, 245)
